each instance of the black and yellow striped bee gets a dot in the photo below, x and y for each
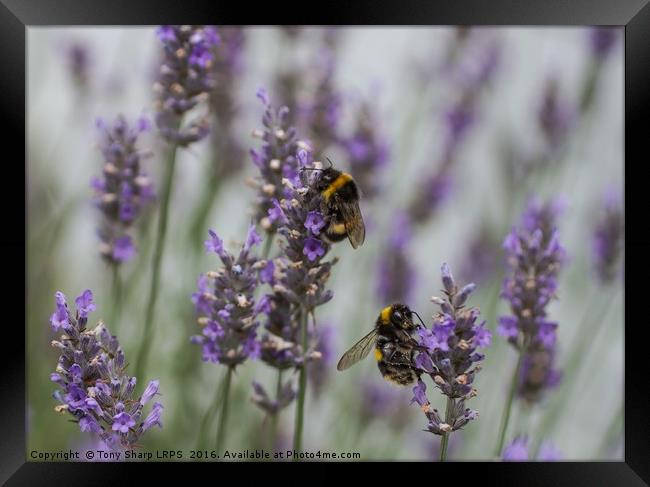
(340, 196)
(394, 344)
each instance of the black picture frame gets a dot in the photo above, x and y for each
(17, 15)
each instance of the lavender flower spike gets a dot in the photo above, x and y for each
(185, 81)
(298, 278)
(396, 275)
(321, 113)
(124, 188)
(451, 357)
(276, 161)
(299, 275)
(518, 450)
(94, 388)
(534, 257)
(78, 60)
(227, 67)
(608, 238)
(367, 152)
(226, 305)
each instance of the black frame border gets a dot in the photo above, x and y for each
(17, 15)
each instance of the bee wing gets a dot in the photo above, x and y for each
(353, 222)
(358, 351)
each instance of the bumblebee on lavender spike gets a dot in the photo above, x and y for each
(340, 206)
(394, 344)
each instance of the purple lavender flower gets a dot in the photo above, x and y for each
(185, 81)
(451, 357)
(602, 40)
(227, 67)
(94, 387)
(534, 258)
(124, 189)
(548, 452)
(78, 58)
(543, 215)
(320, 113)
(481, 257)
(226, 305)
(518, 450)
(434, 190)
(314, 222)
(601, 43)
(396, 274)
(276, 161)
(537, 373)
(555, 115)
(313, 248)
(459, 118)
(608, 238)
(263, 400)
(367, 151)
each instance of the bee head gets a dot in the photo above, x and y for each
(402, 317)
(326, 178)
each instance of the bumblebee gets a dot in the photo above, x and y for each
(340, 207)
(394, 344)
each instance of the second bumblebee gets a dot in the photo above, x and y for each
(394, 344)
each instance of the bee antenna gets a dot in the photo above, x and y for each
(317, 169)
(416, 314)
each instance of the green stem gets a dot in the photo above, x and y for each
(157, 259)
(223, 420)
(275, 417)
(207, 419)
(267, 245)
(444, 439)
(302, 386)
(506, 411)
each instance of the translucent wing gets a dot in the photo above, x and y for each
(353, 222)
(358, 351)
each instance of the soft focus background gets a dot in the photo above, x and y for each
(409, 78)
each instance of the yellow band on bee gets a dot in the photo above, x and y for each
(385, 315)
(338, 229)
(336, 185)
(378, 354)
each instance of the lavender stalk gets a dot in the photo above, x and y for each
(302, 388)
(227, 311)
(451, 359)
(184, 82)
(223, 420)
(534, 257)
(120, 194)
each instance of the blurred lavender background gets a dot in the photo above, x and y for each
(456, 128)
